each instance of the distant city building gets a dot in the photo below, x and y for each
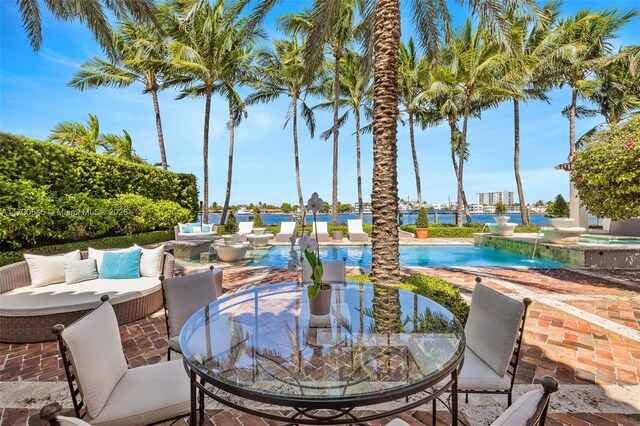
(366, 207)
(492, 198)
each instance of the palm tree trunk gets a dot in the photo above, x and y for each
(156, 108)
(416, 167)
(336, 105)
(516, 161)
(463, 146)
(205, 156)
(295, 153)
(572, 123)
(357, 116)
(227, 197)
(385, 265)
(454, 135)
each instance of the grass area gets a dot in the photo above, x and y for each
(435, 288)
(9, 257)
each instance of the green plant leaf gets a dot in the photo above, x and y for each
(312, 291)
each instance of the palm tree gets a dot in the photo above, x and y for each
(92, 13)
(236, 70)
(414, 79)
(122, 147)
(281, 73)
(356, 96)
(594, 32)
(140, 57)
(202, 35)
(77, 135)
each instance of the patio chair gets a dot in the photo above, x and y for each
(244, 228)
(332, 271)
(286, 229)
(529, 410)
(356, 233)
(101, 385)
(183, 296)
(323, 234)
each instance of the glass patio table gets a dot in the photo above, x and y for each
(260, 351)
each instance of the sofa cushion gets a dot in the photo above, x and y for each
(59, 298)
(98, 254)
(151, 261)
(522, 410)
(76, 271)
(147, 395)
(97, 357)
(121, 265)
(476, 375)
(45, 270)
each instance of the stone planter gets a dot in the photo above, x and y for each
(501, 219)
(258, 231)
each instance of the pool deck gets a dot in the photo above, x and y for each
(583, 329)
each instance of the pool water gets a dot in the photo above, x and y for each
(610, 240)
(431, 255)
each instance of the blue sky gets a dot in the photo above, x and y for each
(34, 97)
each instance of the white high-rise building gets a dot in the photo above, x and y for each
(492, 198)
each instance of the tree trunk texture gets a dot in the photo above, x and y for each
(572, 123)
(227, 196)
(516, 161)
(462, 149)
(156, 108)
(358, 166)
(385, 266)
(295, 153)
(336, 118)
(454, 132)
(416, 167)
(205, 156)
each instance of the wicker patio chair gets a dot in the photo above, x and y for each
(103, 389)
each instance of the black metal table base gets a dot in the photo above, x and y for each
(311, 416)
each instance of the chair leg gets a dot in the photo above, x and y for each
(466, 397)
(169, 354)
(509, 399)
(433, 414)
(201, 403)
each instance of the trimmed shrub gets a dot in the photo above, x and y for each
(121, 241)
(257, 220)
(79, 217)
(65, 170)
(501, 209)
(231, 227)
(423, 220)
(435, 288)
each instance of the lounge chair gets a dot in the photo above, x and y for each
(244, 228)
(322, 235)
(355, 231)
(286, 229)
(332, 271)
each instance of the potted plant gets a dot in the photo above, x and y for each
(319, 292)
(500, 217)
(258, 224)
(422, 224)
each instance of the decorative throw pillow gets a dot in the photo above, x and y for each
(151, 261)
(196, 228)
(97, 255)
(206, 228)
(121, 265)
(45, 270)
(77, 271)
(184, 228)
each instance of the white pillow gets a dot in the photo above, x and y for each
(45, 270)
(196, 228)
(97, 255)
(151, 261)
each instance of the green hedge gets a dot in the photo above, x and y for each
(63, 170)
(7, 258)
(466, 231)
(435, 288)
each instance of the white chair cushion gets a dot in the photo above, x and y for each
(245, 227)
(96, 351)
(287, 227)
(321, 228)
(60, 298)
(45, 270)
(492, 327)
(147, 395)
(151, 261)
(174, 343)
(185, 295)
(477, 375)
(71, 421)
(521, 411)
(355, 226)
(397, 422)
(332, 271)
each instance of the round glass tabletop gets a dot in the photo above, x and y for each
(376, 341)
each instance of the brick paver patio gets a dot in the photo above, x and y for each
(583, 329)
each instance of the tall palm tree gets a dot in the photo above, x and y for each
(414, 79)
(475, 65)
(281, 73)
(202, 36)
(356, 95)
(122, 147)
(594, 32)
(77, 135)
(237, 69)
(89, 12)
(140, 57)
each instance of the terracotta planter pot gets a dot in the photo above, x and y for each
(422, 233)
(321, 305)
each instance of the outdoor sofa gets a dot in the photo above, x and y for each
(27, 313)
(192, 231)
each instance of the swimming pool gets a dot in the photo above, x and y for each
(431, 255)
(591, 239)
